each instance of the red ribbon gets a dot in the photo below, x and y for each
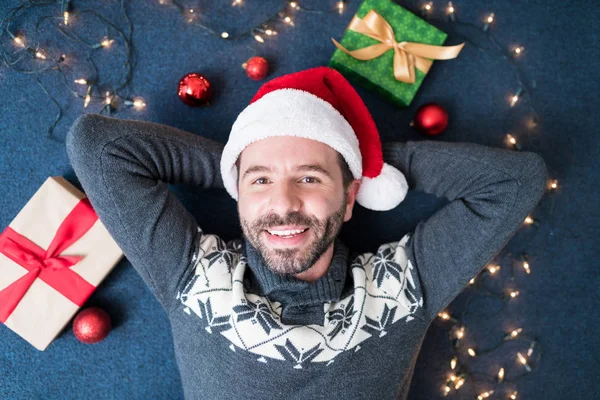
(47, 264)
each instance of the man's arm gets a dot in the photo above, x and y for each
(491, 191)
(124, 167)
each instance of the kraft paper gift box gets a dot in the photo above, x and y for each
(395, 71)
(53, 255)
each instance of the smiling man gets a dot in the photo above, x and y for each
(287, 310)
(292, 209)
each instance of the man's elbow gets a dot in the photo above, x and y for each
(83, 142)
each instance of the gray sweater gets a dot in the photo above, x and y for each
(242, 332)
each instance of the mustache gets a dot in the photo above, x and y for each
(292, 218)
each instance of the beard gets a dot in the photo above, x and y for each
(295, 260)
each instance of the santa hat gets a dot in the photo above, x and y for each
(319, 104)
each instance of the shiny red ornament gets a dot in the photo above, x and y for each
(430, 119)
(91, 325)
(257, 68)
(195, 90)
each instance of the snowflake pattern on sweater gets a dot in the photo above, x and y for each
(386, 290)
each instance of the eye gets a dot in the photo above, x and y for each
(311, 177)
(259, 180)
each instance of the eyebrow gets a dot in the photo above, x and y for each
(303, 167)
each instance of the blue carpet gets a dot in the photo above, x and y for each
(558, 301)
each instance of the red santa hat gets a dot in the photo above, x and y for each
(319, 104)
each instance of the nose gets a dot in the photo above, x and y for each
(285, 197)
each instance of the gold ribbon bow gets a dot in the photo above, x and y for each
(407, 55)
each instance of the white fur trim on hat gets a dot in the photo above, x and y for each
(289, 112)
(383, 192)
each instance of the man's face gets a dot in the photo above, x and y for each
(292, 184)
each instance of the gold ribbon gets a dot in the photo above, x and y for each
(407, 55)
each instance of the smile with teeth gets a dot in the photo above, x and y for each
(286, 234)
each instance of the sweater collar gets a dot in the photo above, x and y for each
(296, 291)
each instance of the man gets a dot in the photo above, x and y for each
(286, 311)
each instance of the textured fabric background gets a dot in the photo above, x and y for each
(557, 301)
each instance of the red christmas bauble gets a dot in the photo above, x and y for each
(195, 90)
(91, 325)
(257, 68)
(430, 119)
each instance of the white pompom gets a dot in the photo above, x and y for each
(385, 191)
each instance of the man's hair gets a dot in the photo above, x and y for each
(347, 176)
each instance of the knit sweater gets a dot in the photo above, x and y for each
(243, 332)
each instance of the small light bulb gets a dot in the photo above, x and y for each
(191, 10)
(493, 269)
(340, 6)
(289, 20)
(80, 81)
(514, 294)
(490, 18)
(138, 104)
(485, 395)
(87, 100)
(40, 54)
(554, 184)
(259, 38)
(471, 352)
(526, 267)
(269, 32)
(501, 375)
(236, 2)
(515, 332)
(529, 220)
(444, 315)
(450, 8)
(107, 42)
(428, 6)
(513, 395)
(472, 281)
(459, 383)
(453, 363)
(518, 50)
(293, 4)
(66, 17)
(224, 35)
(511, 138)
(19, 41)
(108, 99)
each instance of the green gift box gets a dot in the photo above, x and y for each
(377, 74)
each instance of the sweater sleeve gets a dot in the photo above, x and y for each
(124, 167)
(491, 192)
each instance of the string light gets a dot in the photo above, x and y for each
(81, 81)
(554, 184)
(518, 50)
(294, 5)
(493, 268)
(500, 375)
(523, 361)
(514, 293)
(259, 38)
(224, 35)
(107, 42)
(40, 54)
(485, 395)
(513, 141)
(471, 352)
(340, 6)
(450, 10)
(427, 7)
(513, 395)
(88, 97)
(488, 21)
(19, 41)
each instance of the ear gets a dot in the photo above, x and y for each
(351, 198)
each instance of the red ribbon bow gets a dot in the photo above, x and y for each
(48, 265)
